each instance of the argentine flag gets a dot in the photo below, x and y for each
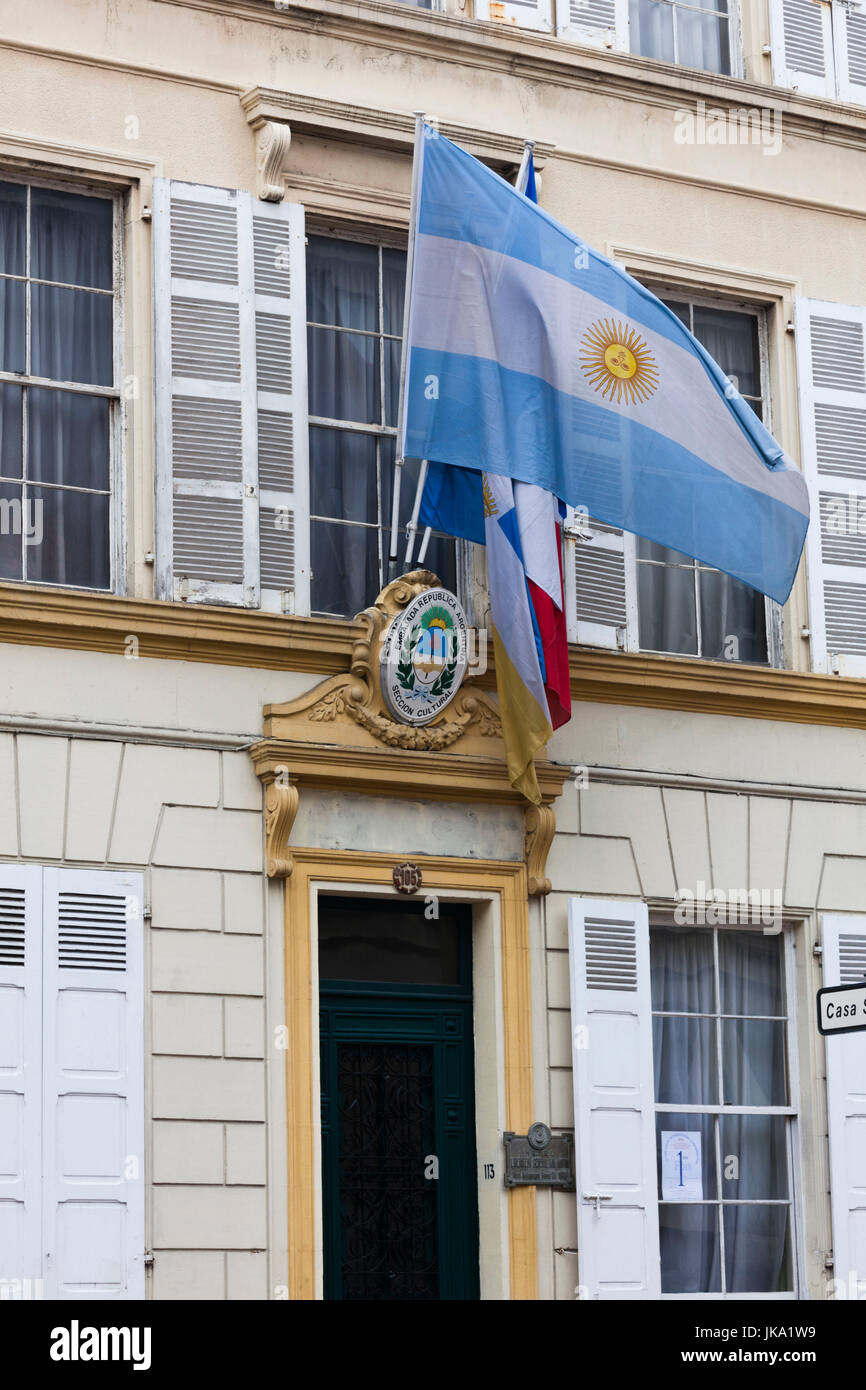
(531, 356)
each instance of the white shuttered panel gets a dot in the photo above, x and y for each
(600, 583)
(526, 14)
(844, 961)
(594, 23)
(20, 1080)
(850, 28)
(93, 1079)
(611, 1019)
(802, 46)
(831, 360)
(232, 497)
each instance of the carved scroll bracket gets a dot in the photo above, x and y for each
(540, 826)
(281, 807)
(272, 146)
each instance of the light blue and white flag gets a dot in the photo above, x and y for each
(531, 355)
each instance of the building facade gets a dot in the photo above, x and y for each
(236, 1062)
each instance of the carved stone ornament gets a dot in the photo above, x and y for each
(281, 807)
(358, 696)
(272, 146)
(540, 825)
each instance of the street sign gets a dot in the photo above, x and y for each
(842, 1008)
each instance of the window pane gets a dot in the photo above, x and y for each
(345, 564)
(71, 238)
(754, 1156)
(343, 476)
(68, 438)
(681, 970)
(753, 1062)
(682, 311)
(689, 1243)
(757, 1250)
(390, 942)
(342, 283)
(690, 1124)
(685, 1061)
(651, 29)
(10, 431)
(344, 376)
(13, 222)
(733, 619)
(74, 548)
(10, 531)
(393, 285)
(661, 554)
(12, 348)
(732, 339)
(750, 973)
(72, 335)
(702, 41)
(667, 609)
(392, 379)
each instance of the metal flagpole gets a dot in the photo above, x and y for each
(410, 258)
(520, 183)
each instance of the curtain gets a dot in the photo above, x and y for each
(753, 1148)
(701, 39)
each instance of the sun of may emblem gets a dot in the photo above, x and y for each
(618, 362)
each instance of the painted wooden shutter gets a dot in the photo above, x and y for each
(844, 959)
(231, 393)
(93, 1085)
(802, 45)
(600, 583)
(850, 33)
(831, 360)
(20, 1080)
(614, 1115)
(527, 14)
(594, 23)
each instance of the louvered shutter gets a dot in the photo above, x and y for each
(614, 1115)
(832, 389)
(843, 941)
(93, 1085)
(850, 32)
(20, 1080)
(600, 583)
(802, 45)
(594, 23)
(527, 14)
(231, 393)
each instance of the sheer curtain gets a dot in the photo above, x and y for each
(686, 1066)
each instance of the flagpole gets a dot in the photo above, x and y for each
(410, 259)
(412, 528)
(523, 172)
(424, 544)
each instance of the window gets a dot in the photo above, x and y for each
(723, 1110)
(820, 49)
(695, 35)
(58, 385)
(683, 606)
(355, 323)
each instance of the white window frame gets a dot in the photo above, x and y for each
(791, 1111)
(836, 83)
(619, 37)
(114, 393)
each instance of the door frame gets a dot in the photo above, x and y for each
(503, 1063)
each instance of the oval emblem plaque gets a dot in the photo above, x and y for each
(424, 657)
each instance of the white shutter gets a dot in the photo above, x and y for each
(20, 1080)
(594, 23)
(527, 14)
(831, 361)
(844, 959)
(802, 45)
(600, 583)
(850, 32)
(614, 1115)
(93, 1085)
(231, 398)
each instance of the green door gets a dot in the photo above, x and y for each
(398, 1125)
